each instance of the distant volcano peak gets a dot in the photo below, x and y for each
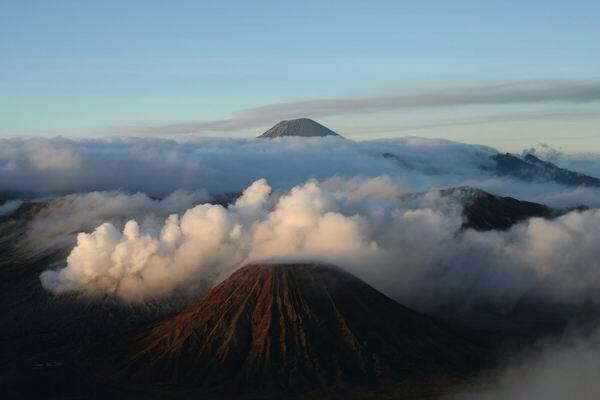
(301, 127)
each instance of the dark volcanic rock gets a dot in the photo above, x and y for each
(301, 127)
(296, 327)
(484, 211)
(531, 168)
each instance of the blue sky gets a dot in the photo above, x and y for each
(90, 68)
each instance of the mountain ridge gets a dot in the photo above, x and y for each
(530, 168)
(485, 211)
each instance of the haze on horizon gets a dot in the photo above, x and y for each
(505, 75)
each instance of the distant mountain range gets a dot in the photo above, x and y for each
(528, 168)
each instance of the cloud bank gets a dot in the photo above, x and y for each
(159, 167)
(409, 248)
(42, 167)
(58, 220)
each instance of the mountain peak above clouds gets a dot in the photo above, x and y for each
(301, 127)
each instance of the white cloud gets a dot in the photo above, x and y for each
(160, 167)
(60, 219)
(408, 248)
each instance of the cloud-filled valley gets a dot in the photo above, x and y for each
(154, 222)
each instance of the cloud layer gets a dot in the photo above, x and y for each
(159, 167)
(58, 220)
(410, 248)
(39, 167)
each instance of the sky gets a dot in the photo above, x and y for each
(367, 69)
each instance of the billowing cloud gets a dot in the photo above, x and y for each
(58, 220)
(409, 248)
(205, 244)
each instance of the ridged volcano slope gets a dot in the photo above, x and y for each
(296, 326)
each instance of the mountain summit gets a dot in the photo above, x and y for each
(301, 127)
(295, 327)
(530, 168)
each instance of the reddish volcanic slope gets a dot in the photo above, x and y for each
(296, 326)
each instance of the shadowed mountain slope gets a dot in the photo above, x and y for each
(531, 168)
(296, 327)
(484, 211)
